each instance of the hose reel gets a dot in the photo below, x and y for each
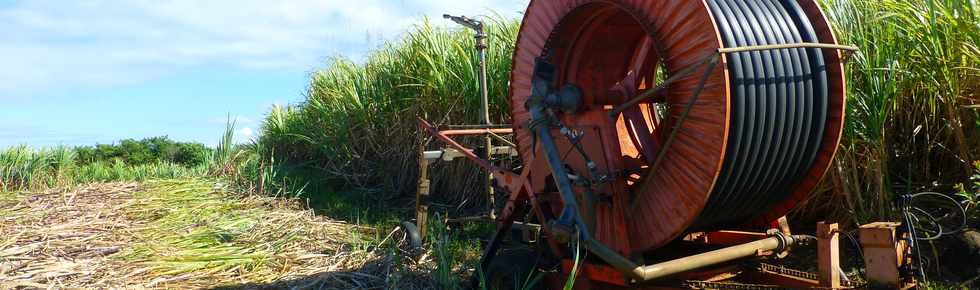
(733, 144)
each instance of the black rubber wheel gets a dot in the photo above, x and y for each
(512, 269)
(412, 233)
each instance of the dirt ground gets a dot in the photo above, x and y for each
(96, 236)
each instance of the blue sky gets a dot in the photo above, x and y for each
(86, 72)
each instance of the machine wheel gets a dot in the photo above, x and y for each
(412, 233)
(511, 269)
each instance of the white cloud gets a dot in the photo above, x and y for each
(246, 132)
(65, 44)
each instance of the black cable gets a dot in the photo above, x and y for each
(792, 78)
(905, 204)
(719, 206)
(925, 213)
(779, 91)
(804, 97)
(915, 210)
(779, 103)
(855, 243)
(795, 92)
(738, 109)
(752, 34)
(819, 78)
(743, 110)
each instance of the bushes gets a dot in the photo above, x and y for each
(146, 151)
(23, 168)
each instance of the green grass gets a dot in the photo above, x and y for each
(911, 122)
(198, 226)
(455, 251)
(23, 168)
(180, 234)
(195, 227)
(358, 123)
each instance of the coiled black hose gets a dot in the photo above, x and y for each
(778, 108)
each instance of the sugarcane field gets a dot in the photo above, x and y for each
(509, 144)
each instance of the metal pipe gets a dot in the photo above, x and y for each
(662, 87)
(787, 46)
(477, 131)
(775, 243)
(422, 192)
(492, 126)
(690, 69)
(481, 49)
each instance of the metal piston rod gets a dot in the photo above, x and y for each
(774, 244)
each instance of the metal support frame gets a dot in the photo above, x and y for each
(828, 254)
(453, 151)
(884, 254)
(422, 193)
(622, 271)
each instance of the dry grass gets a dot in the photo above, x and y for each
(189, 234)
(62, 239)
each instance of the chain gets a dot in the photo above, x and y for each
(768, 268)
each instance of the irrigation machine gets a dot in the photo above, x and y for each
(662, 143)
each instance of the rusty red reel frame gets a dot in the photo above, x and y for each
(619, 114)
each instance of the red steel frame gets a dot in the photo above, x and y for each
(595, 276)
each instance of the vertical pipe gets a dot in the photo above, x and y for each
(481, 48)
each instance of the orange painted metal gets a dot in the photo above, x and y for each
(883, 253)
(598, 45)
(828, 254)
(611, 50)
(598, 273)
(467, 152)
(476, 131)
